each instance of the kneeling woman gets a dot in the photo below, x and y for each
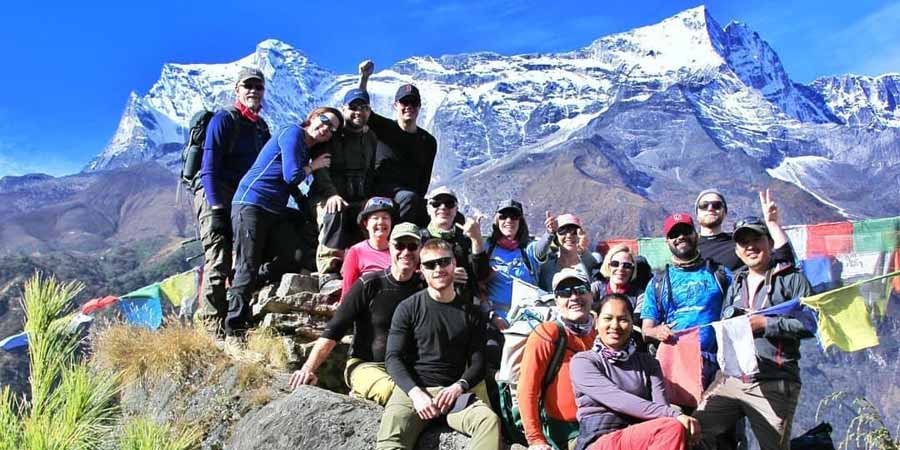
(619, 392)
(259, 210)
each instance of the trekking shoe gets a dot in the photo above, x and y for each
(329, 283)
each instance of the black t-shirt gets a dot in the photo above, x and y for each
(434, 344)
(369, 307)
(720, 249)
(402, 160)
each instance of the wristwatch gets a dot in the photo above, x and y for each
(464, 384)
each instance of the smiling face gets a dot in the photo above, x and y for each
(378, 225)
(356, 114)
(754, 249)
(614, 324)
(508, 222)
(573, 298)
(682, 241)
(321, 130)
(442, 211)
(621, 268)
(250, 93)
(710, 211)
(408, 108)
(405, 254)
(568, 237)
(437, 276)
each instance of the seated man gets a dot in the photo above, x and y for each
(573, 298)
(769, 398)
(368, 308)
(435, 354)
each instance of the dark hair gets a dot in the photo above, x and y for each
(522, 235)
(436, 244)
(622, 298)
(322, 110)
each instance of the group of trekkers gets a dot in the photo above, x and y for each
(427, 297)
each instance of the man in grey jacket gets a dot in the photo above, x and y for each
(768, 398)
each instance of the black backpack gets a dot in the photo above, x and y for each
(192, 155)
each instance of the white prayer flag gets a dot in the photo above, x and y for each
(737, 352)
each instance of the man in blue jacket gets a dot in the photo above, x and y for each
(234, 138)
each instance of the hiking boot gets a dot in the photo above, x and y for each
(329, 283)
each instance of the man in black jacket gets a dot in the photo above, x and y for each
(768, 398)
(405, 155)
(435, 354)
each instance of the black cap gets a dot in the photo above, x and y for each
(248, 73)
(510, 204)
(407, 90)
(751, 224)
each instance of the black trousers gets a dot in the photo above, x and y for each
(261, 237)
(411, 207)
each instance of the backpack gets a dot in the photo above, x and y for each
(192, 154)
(662, 284)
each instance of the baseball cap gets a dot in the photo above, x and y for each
(568, 219)
(248, 73)
(407, 90)
(356, 94)
(510, 204)
(677, 219)
(405, 229)
(374, 205)
(750, 224)
(443, 190)
(569, 273)
(710, 191)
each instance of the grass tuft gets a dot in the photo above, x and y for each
(141, 433)
(270, 346)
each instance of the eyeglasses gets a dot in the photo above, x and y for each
(360, 107)
(580, 289)
(625, 265)
(447, 203)
(567, 230)
(409, 246)
(677, 232)
(254, 86)
(414, 102)
(435, 263)
(511, 216)
(716, 205)
(327, 122)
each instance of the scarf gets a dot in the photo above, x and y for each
(441, 234)
(614, 355)
(507, 243)
(246, 112)
(579, 329)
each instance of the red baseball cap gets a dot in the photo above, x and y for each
(677, 219)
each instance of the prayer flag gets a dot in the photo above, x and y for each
(682, 367)
(798, 236)
(876, 235)
(97, 304)
(843, 318)
(15, 341)
(655, 250)
(736, 351)
(604, 246)
(143, 307)
(180, 288)
(829, 238)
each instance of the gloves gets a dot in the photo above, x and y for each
(219, 223)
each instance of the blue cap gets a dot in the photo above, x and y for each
(356, 94)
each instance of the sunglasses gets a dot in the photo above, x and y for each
(716, 205)
(409, 246)
(447, 203)
(580, 289)
(327, 122)
(677, 232)
(415, 103)
(254, 86)
(625, 265)
(435, 263)
(511, 216)
(361, 107)
(567, 230)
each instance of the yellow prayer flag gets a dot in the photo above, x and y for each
(179, 288)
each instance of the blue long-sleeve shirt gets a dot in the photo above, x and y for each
(276, 173)
(223, 165)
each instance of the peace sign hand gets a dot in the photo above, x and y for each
(769, 207)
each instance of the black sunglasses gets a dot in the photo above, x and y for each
(361, 107)
(580, 289)
(625, 265)
(435, 263)
(513, 216)
(716, 205)
(327, 122)
(409, 246)
(414, 102)
(447, 203)
(567, 230)
(252, 86)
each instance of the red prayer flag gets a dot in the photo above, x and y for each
(682, 368)
(97, 304)
(829, 239)
(604, 246)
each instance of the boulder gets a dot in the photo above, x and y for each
(308, 302)
(295, 283)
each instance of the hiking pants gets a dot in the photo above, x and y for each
(337, 232)
(411, 207)
(216, 263)
(657, 434)
(368, 380)
(256, 231)
(401, 426)
(769, 405)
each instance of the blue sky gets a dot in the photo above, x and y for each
(69, 66)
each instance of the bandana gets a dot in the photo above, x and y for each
(441, 234)
(507, 243)
(245, 111)
(579, 329)
(614, 355)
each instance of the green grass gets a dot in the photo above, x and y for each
(142, 433)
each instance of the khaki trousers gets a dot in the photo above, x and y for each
(216, 264)
(368, 380)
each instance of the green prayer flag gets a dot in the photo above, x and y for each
(655, 250)
(876, 235)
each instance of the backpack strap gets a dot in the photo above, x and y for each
(559, 352)
(662, 286)
(235, 127)
(719, 274)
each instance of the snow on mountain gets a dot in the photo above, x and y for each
(485, 108)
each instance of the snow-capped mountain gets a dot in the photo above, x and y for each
(487, 109)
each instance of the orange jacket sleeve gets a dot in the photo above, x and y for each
(537, 355)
